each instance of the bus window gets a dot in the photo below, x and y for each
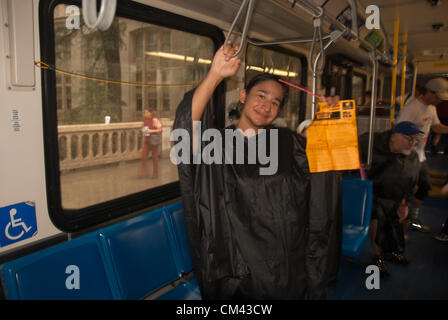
(359, 88)
(290, 67)
(105, 84)
(379, 96)
(336, 78)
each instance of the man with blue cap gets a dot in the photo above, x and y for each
(422, 112)
(394, 173)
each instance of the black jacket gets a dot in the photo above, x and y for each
(394, 177)
(249, 234)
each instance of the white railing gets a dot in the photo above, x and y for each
(88, 145)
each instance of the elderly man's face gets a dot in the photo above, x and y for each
(400, 143)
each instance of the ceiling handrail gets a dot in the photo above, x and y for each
(250, 6)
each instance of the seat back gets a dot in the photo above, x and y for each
(71, 270)
(357, 201)
(357, 211)
(127, 260)
(140, 254)
(176, 226)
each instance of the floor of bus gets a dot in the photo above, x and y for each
(426, 277)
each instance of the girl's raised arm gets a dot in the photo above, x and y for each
(224, 65)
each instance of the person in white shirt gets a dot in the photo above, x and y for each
(423, 113)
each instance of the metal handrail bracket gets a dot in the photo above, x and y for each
(250, 7)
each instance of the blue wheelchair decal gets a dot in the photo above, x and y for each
(17, 223)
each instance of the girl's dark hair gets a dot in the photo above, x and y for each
(262, 77)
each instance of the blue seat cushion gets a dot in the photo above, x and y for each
(175, 217)
(353, 239)
(140, 254)
(43, 275)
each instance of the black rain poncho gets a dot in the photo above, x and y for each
(249, 233)
(394, 176)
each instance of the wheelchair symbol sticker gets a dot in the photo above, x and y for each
(17, 223)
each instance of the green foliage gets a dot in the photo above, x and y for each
(94, 106)
(100, 59)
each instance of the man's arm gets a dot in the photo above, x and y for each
(439, 128)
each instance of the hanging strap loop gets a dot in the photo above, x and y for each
(104, 19)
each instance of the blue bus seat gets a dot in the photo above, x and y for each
(140, 254)
(55, 273)
(176, 226)
(185, 291)
(357, 211)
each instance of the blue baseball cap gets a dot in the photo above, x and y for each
(407, 128)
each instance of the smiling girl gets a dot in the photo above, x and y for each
(248, 233)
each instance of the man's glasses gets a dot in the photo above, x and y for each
(413, 139)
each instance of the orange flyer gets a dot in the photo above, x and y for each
(332, 138)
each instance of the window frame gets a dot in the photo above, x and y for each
(88, 217)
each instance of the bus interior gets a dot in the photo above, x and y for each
(72, 96)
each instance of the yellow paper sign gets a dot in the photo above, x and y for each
(332, 138)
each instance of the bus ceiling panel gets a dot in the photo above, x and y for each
(433, 67)
(271, 20)
(428, 45)
(351, 50)
(417, 17)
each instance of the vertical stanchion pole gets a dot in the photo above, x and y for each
(394, 73)
(403, 69)
(372, 107)
(414, 78)
(313, 99)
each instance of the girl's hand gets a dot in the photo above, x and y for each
(224, 64)
(331, 100)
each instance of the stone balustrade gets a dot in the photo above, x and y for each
(89, 145)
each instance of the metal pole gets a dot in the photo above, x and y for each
(414, 79)
(374, 60)
(340, 26)
(386, 39)
(403, 69)
(315, 74)
(354, 9)
(313, 101)
(284, 41)
(394, 73)
(250, 7)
